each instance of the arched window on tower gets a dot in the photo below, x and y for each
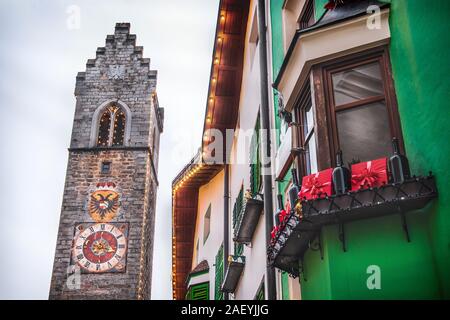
(119, 128)
(111, 128)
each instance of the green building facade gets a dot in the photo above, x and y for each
(419, 52)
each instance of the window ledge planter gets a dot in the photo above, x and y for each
(248, 220)
(295, 238)
(236, 266)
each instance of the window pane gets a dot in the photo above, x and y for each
(357, 83)
(364, 132)
(119, 128)
(206, 224)
(311, 156)
(309, 120)
(103, 130)
(106, 167)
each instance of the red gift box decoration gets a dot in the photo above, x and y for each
(316, 185)
(274, 232)
(369, 174)
(282, 216)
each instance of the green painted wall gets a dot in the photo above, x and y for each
(406, 268)
(276, 21)
(420, 51)
(319, 8)
(409, 270)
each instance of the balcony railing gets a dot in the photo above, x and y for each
(290, 245)
(236, 266)
(248, 220)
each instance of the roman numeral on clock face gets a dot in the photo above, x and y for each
(87, 264)
(80, 256)
(102, 226)
(97, 267)
(92, 229)
(121, 246)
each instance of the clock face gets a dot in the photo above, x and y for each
(101, 247)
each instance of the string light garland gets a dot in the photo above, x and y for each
(141, 284)
(192, 171)
(106, 126)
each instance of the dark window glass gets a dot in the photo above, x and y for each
(364, 132)
(119, 128)
(111, 134)
(104, 127)
(358, 83)
(362, 112)
(106, 167)
(207, 224)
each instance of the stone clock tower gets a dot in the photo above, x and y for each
(105, 238)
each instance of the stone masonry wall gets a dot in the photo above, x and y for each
(134, 85)
(119, 72)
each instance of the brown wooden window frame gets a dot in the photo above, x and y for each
(321, 92)
(322, 77)
(306, 17)
(304, 100)
(380, 55)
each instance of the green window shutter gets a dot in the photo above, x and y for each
(218, 294)
(237, 208)
(237, 213)
(238, 249)
(255, 160)
(260, 295)
(198, 292)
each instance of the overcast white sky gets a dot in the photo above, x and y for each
(39, 59)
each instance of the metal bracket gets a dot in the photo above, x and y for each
(302, 269)
(319, 246)
(342, 236)
(404, 224)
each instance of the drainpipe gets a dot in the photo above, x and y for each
(265, 143)
(226, 215)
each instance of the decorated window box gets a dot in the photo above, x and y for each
(235, 268)
(289, 245)
(248, 219)
(375, 188)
